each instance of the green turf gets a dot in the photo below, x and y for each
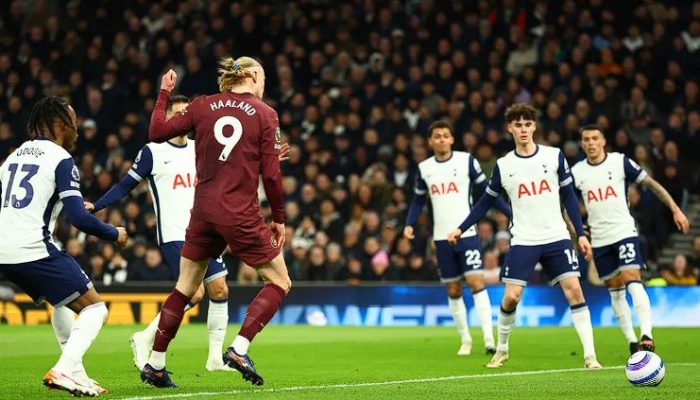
(291, 356)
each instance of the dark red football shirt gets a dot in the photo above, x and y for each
(236, 139)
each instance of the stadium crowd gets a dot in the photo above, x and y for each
(355, 84)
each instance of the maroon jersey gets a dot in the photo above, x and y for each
(236, 139)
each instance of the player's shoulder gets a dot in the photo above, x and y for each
(44, 150)
(461, 155)
(579, 165)
(614, 155)
(427, 163)
(545, 150)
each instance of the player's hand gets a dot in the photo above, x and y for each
(167, 82)
(585, 248)
(284, 152)
(454, 236)
(89, 206)
(123, 236)
(278, 232)
(681, 221)
(587, 231)
(408, 232)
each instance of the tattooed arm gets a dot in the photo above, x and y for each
(662, 194)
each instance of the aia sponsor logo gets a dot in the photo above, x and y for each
(533, 188)
(185, 180)
(601, 194)
(443, 188)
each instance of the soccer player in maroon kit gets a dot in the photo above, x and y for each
(236, 137)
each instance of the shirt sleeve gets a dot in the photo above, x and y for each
(271, 136)
(67, 179)
(564, 171)
(633, 172)
(143, 164)
(421, 188)
(495, 188)
(476, 175)
(68, 188)
(161, 130)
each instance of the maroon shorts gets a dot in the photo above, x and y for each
(251, 242)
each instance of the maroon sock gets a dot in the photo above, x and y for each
(170, 319)
(261, 310)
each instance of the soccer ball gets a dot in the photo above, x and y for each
(645, 368)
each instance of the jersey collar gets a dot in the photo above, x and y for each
(452, 153)
(537, 149)
(595, 165)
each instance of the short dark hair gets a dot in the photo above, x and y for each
(591, 127)
(518, 110)
(440, 124)
(178, 98)
(45, 113)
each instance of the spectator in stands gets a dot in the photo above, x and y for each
(680, 273)
(150, 269)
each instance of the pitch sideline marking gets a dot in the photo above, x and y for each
(384, 383)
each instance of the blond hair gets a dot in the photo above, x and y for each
(234, 72)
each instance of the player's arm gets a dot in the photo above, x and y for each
(478, 212)
(140, 169)
(414, 211)
(272, 175)
(634, 173)
(477, 176)
(68, 187)
(568, 198)
(161, 129)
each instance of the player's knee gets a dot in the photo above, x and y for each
(511, 299)
(476, 283)
(99, 309)
(454, 291)
(218, 290)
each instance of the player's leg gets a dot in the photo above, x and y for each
(60, 280)
(631, 262)
(640, 299)
(560, 263)
(142, 341)
(62, 321)
(451, 275)
(607, 264)
(217, 316)
(474, 276)
(201, 243)
(520, 262)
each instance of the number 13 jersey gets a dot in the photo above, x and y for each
(34, 178)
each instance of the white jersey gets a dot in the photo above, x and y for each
(171, 174)
(34, 178)
(449, 184)
(532, 184)
(603, 188)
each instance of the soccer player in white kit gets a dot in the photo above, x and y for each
(602, 180)
(32, 181)
(537, 180)
(169, 168)
(448, 177)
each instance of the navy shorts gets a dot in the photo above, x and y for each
(171, 252)
(57, 278)
(616, 257)
(558, 261)
(455, 262)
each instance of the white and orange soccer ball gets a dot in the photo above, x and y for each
(645, 368)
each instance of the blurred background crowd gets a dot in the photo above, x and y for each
(355, 84)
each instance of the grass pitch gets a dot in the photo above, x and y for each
(300, 362)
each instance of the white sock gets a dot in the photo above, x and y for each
(157, 359)
(505, 327)
(83, 333)
(240, 345)
(482, 303)
(640, 299)
(62, 322)
(459, 314)
(618, 299)
(581, 318)
(217, 322)
(152, 328)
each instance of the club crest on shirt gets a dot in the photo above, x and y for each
(75, 173)
(278, 135)
(273, 242)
